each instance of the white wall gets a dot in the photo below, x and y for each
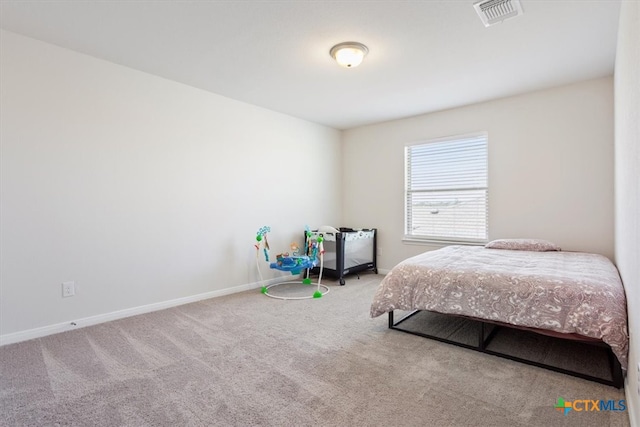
(139, 189)
(550, 168)
(627, 182)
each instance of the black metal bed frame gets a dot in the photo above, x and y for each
(483, 342)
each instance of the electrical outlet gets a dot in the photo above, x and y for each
(68, 289)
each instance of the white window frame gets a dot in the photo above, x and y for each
(443, 239)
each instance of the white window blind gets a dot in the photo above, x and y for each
(446, 189)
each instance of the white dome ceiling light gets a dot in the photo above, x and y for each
(349, 54)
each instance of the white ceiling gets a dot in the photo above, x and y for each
(424, 55)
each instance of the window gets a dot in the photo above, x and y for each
(446, 193)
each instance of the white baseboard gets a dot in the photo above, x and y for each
(631, 398)
(120, 314)
(383, 271)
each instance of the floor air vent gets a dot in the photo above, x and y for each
(495, 11)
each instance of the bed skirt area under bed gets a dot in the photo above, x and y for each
(593, 361)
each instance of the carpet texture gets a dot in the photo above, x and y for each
(246, 359)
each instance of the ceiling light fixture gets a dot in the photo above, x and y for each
(349, 54)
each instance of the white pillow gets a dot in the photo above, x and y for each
(537, 245)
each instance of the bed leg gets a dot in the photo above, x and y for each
(391, 319)
(616, 371)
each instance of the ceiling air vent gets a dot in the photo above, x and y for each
(495, 11)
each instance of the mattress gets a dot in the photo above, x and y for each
(563, 292)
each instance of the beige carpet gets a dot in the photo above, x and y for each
(246, 359)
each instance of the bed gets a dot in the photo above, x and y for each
(570, 295)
